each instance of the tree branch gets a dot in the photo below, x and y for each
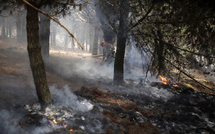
(199, 54)
(189, 75)
(186, 73)
(140, 20)
(54, 19)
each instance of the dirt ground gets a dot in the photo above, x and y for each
(17, 86)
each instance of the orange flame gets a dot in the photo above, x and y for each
(175, 85)
(163, 78)
(55, 121)
(71, 130)
(165, 81)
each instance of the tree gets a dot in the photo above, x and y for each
(3, 34)
(35, 57)
(121, 43)
(173, 32)
(168, 31)
(34, 48)
(117, 15)
(20, 24)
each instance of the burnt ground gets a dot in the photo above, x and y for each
(131, 109)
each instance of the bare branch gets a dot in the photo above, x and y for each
(140, 20)
(199, 54)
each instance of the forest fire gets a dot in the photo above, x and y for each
(167, 81)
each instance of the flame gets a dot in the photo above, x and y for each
(55, 121)
(163, 78)
(165, 81)
(175, 85)
(83, 103)
(61, 124)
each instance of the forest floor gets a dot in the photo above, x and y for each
(131, 108)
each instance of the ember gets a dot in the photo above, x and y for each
(55, 121)
(164, 83)
(175, 85)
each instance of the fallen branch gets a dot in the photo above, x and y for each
(189, 75)
(53, 18)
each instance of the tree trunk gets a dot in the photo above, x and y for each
(121, 42)
(23, 25)
(35, 57)
(53, 36)
(90, 36)
(9, 28)
(45, 33)
(3, 34)
(19, 27)
(119, 60)
(95, 42)
(66, 42)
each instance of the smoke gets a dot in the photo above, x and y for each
(67, 108)
(136, 63)
(64, 97)
(82, 67)
(41, 130)
(95, 70)
(10, 124)
(7, 124)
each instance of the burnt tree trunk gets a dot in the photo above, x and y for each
(121, 43)
(35, 57)
(44, 33)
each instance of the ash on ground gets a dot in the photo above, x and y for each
(68, 113)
